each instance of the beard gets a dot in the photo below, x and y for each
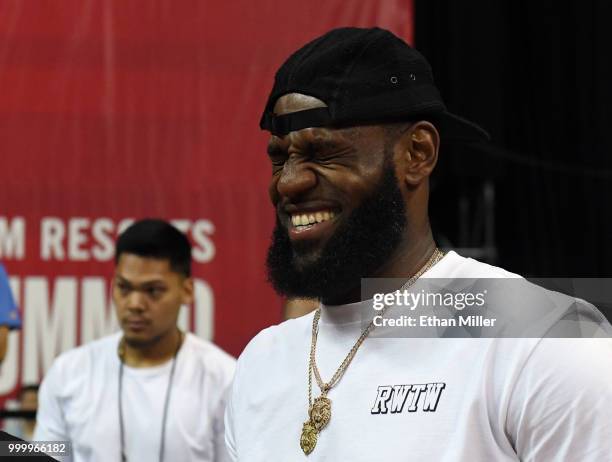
(359, 247)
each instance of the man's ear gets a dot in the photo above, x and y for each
(416, 152)
(188, 297)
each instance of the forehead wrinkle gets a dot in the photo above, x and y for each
(321, 136)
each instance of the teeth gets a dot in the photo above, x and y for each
(311, 218)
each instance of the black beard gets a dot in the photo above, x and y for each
(359, 247)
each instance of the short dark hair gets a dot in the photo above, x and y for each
(155, 238)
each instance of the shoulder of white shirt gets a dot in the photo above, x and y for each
(212, 355)
(454, 265)
(96, 349)
(214, 358)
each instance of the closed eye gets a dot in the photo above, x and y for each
(328, 151)
(277, 155)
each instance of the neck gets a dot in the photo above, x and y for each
(411, 255)
(409, 258)
(151, 354)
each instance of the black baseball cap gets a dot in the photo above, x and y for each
(363, 76)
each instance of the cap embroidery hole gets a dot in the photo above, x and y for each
(394, 79)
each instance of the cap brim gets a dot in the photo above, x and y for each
(455, 129)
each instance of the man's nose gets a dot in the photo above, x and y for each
(135, 301)
(297, 178)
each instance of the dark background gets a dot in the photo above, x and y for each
(537, 76)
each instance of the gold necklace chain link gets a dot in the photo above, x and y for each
(319, 411)
(436, 256)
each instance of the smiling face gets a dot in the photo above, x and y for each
(148, 295)
(340, 213)
(320, 175)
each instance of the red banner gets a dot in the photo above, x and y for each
(114, 110)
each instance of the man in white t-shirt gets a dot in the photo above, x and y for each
(356, 123)
(150, 392)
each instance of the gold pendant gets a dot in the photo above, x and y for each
(308, 440)
(320, 412)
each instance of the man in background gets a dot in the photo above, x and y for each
(9, 313)
(150, 392)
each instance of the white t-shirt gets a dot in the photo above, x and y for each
(78, 402)
(423, 399)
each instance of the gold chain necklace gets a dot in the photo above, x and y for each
(319, 411)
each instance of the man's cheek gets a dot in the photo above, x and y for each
(118, 308)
